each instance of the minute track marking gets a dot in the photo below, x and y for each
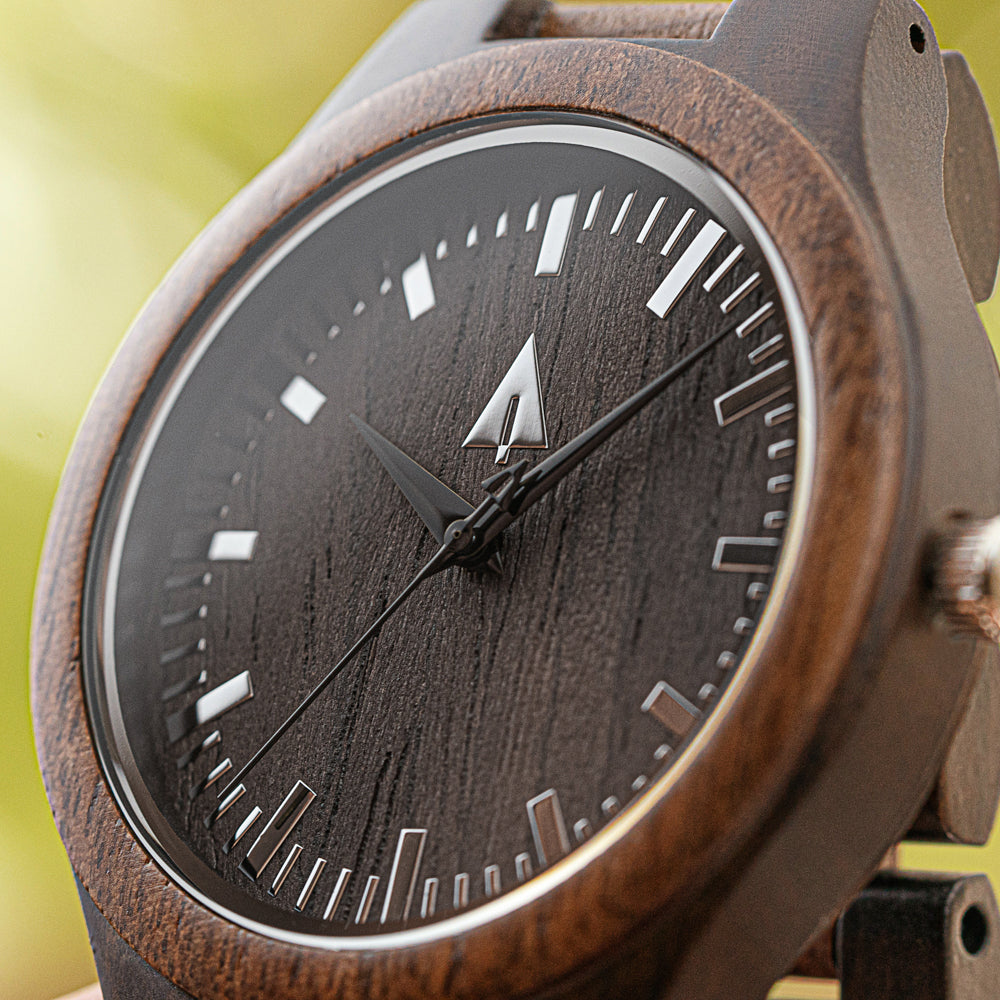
(469, 541)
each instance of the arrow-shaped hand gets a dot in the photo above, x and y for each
(438, 505)
(514, 491)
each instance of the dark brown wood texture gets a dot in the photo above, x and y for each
(651, 20)
(123, 974)
(623, 909)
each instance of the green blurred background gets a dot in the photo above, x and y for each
(125, 125)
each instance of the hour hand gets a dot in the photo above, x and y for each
(438, 505)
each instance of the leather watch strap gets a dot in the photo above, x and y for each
(532, 19)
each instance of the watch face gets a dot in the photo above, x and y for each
(453, 313)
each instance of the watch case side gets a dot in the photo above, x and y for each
(122, 972)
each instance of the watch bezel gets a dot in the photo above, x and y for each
(737, 782)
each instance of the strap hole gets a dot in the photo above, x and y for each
(975, 930)
(918, 38)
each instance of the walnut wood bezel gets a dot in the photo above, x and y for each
(663, 868)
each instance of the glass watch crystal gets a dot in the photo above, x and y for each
(449, 314)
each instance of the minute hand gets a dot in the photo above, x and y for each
(545, 476)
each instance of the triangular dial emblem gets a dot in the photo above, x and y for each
(515, 416)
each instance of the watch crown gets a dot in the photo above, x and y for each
(967, 578)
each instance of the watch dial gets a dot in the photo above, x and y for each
(455, 312)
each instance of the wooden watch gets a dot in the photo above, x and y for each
(539, 540)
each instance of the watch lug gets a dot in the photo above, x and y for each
(424, 35)
(971, 178)
(819, 89)
(963, 806)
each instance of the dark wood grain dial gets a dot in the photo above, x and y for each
(478, 299)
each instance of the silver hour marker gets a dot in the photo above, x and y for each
(671, 709)
(302, 399)
(242, 830)
(757, 320)
(777, 485)
(724, 268)
(623, 213)
(522, 867)
(727, 661)
(210, 706)
(744, 626)
(775, 520)
(182, 652)
(183, 687)
(767, 350)
(640, 783)
(473, 238)
(224, 806)
(548, 828)
(611, 807)
(307, 890)
(418, 289)
(556, 237)
(442, 250)
(491, 880)
(582, 830)
(278, 829)
(532, 224)
(746, 555)
(461, 895)
(783, 449)
(679, 230)
(684, 271)
(428, 905)
(502, 225)
(385, 287)
(189, 580)
(279, 879)
(757, 591)
(403, 878)
(663, 751)
(337, 895)
(174, 618)
(651, 221)
(741, 293)
(333, 333)
(232, 546)
(367, 899)
(212, 740)
(359, 307)
(210, 779)
(595, 204)
(754, 394)
(780, 416)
